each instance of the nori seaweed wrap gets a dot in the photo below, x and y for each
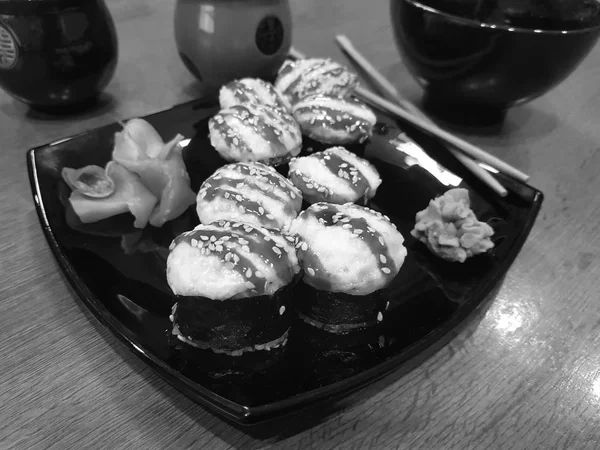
(233, 284)
(348, 254)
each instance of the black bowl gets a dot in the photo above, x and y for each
(470, 59)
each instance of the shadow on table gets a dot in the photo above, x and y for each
(105, 103)
(537, 121)
(254, 436)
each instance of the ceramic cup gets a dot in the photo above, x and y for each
(56, 54)
(222, 40)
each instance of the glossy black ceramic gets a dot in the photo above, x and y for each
(56, 54)
(470, 59)
(118, 272)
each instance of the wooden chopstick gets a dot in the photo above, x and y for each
(390, 92)
(467, 148)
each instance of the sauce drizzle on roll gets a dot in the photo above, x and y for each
(347, 248)
(251, 90)
(333, 120)
(255, 133)
(299, 79)
(335, 176)
(230, 260)
(249, 192)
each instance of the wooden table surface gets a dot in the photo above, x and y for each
(526, 375)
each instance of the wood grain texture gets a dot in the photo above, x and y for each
(523, 375)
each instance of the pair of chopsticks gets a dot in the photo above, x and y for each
(402, 109)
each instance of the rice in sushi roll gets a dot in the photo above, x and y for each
(232, 281)
(333, 120)
(249, 192)
(348, 254)
(251, 90)
(299, 79)
(334, 176)
(253, 132)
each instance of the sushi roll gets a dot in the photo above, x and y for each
(249, 192)
(254, 91)
(334, 176)
(449, 228)
(299, 79)
(332, 120)
(255, 133)
(232, 281)
(348, 254)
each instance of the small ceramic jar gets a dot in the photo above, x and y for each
(222, 40)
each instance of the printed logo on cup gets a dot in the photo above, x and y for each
(269, 35)
(8, 48)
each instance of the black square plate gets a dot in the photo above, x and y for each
(118, 272)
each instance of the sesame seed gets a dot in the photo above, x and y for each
(203, 237)
(382, 258)
(310, 271)
(258, 274)
(276, 250)
(380, 239)
(281, 310)
(387, 305)
(379, 316)
(248, 273)
(386, 270)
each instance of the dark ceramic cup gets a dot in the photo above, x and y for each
(56, 54)
(478, 62)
